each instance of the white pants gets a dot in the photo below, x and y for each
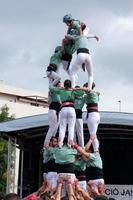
(65, 176)
(53, 126)
(82, 184)
(86, 59)
(64, 65)
(79, 131)
(95, 183)
(52, 178)
(93, 121)
(67, 117)
(53, 77)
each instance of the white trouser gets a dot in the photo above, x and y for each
(86, 59)
(53, 77)
(66, 176)
(53, 125)
(95, 183)
(52, 178)
(93, 121)
(79, 131)
(63, 65)
(67, 117)
(82, 184)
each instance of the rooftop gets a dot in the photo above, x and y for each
(37, 121)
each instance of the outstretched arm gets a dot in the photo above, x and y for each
(70, 192)
(93, 36)
(80, 150)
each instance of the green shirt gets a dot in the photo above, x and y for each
(55, 59)
(65, 95)
(94, 160)
(91, 97)
(65, 155)
(53, 95)
(49, 154)
(74, 28)
(80, 41)
(79, 164)
(79, 99)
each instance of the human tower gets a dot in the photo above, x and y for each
(71, 165)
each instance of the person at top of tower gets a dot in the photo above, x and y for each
(76, 27)
(83, 57)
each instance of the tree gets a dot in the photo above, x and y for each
(4, 116)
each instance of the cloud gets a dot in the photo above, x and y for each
(30, 30)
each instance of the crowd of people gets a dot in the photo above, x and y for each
(73, 168)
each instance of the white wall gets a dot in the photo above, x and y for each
(23, 110)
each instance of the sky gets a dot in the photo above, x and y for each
(31, 29)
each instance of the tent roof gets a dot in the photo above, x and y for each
(37, 121)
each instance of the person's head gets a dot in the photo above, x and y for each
(93, 85)
(77, 86)
(64, 198)
(58, 48)
(83, 26)
(2, 196)
(54, 142)
(68, 19)
(67, 84)
(85, 84)
(45, 196)
(12, 196)
(101, 197)
(58, 84)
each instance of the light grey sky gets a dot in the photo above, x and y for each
(31, 29)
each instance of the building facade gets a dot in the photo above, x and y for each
(23, 102)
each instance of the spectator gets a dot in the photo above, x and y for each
(12, 196)
(2, 196)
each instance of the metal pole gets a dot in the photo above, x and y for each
(119, 105)
(8, 166)
(14, 172)
(21, 175)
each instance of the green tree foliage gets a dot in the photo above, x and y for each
(4, 116)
